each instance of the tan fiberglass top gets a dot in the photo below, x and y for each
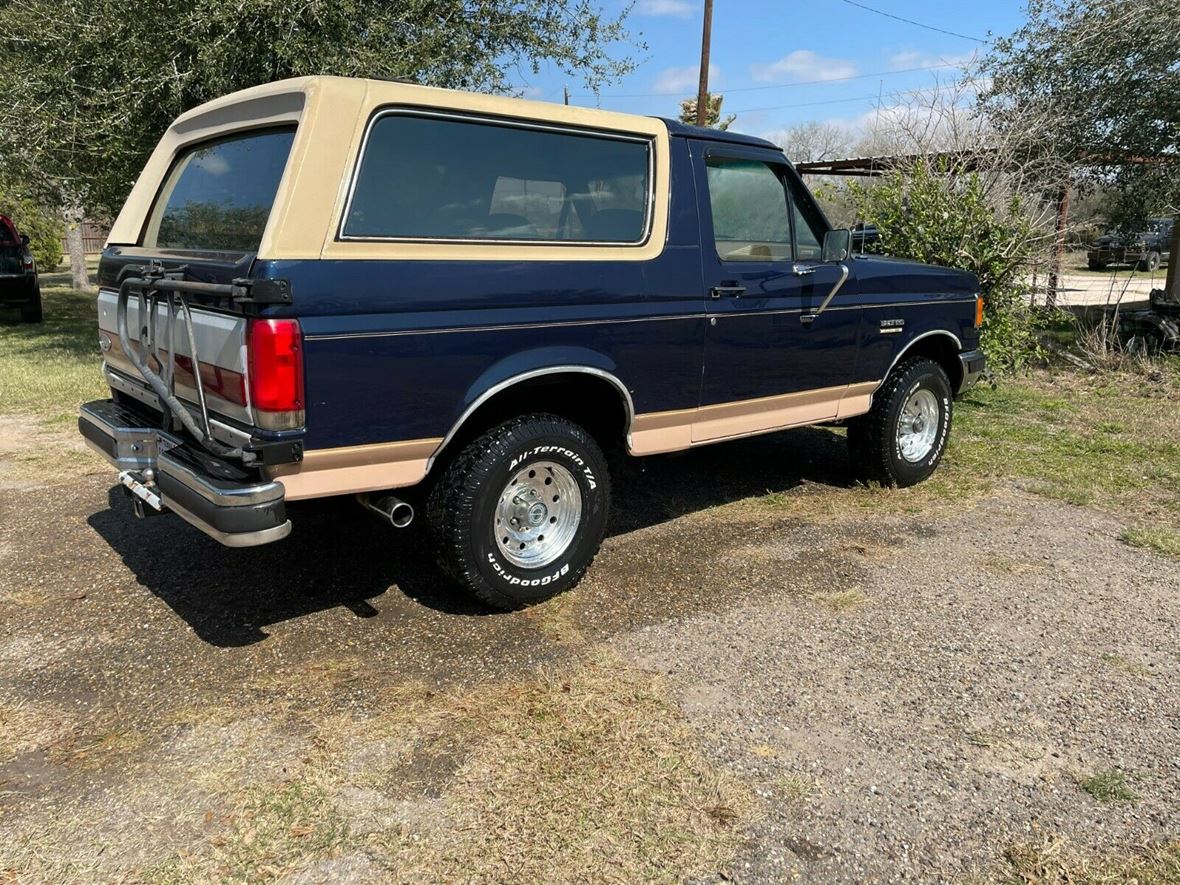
(332, 113)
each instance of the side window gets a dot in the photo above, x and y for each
(809, 224)
(751, 220)
(442, 178)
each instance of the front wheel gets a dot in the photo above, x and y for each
(901, 441)
(518, 516)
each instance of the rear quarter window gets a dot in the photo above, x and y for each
(424, 177)
(218, 195)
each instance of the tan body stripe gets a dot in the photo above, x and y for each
(353, 469)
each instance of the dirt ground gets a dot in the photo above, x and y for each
(731, 693)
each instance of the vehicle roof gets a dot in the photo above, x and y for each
(676, 127)
(396, 90)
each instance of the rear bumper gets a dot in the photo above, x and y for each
(974, 364)
(17, 289)
(223, 500)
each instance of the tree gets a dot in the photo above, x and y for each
(1092, 90)
(87, 87)
(813, 142)
(688, 112)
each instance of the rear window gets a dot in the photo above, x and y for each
(218, 195)
(439, 178)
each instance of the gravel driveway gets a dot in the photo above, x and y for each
(903, 697)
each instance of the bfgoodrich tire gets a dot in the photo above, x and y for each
(518, 516)
(901, 441)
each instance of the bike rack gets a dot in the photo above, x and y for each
(155, 285)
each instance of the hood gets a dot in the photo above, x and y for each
(902, 276)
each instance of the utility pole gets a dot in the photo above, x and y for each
(566, 90)
(703, 88)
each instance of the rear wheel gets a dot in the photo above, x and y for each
(1095, 264)
(1150, 262)
(901, 441)
(32, 312)
(519, 514)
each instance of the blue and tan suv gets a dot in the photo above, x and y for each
(330, 286)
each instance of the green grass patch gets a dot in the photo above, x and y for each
(1160, 538)
(1108, 786)
(48, 369)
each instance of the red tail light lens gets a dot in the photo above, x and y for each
(276, 373)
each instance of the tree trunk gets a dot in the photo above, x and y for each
(76, 248)
(1172, 286)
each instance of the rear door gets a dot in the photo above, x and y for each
(766, 357)
(208, 219)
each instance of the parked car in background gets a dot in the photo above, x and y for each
(18, 273)
(330, 287)
(1146, 250)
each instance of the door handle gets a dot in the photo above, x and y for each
(801, 270)
(727, 291)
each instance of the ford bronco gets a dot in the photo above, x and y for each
(330, 286)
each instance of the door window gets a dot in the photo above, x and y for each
(751, 221)
(810, 226)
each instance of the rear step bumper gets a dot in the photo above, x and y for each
(224, 501)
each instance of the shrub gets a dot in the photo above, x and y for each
(44, 228)
(930, 212)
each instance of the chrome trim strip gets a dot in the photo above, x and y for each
(503, 327)
(236, 539)
(525, 376)
(510, 122)
(507, 327)
(261, 493)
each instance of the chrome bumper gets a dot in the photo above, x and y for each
(226, 502)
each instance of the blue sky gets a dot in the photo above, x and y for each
(767, 56)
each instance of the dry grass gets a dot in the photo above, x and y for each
(1118, 662)
(572, 776)
(1051, 862)
(25, 727)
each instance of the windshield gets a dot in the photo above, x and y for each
(218, 195)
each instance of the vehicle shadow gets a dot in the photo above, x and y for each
(339, 555)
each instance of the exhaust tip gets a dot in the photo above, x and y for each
(393, 510)
(401, 514)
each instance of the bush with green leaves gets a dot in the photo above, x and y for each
(44, 228)
(939, 215)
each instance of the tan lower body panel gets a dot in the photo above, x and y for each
(354, 469)
(658, 432)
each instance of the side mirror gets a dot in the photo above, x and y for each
(863, 235)
(837, 245)
(24, 239)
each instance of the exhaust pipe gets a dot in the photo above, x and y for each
(393, 510)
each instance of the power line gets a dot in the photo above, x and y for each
(910, 21)
(937, 67)
(810, 104)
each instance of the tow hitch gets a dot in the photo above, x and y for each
(142, 490)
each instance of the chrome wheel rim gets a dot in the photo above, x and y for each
(538, 514)
(917, 428)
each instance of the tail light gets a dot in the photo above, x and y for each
(27, 260)
(276, 373)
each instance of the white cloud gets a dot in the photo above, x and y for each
(677, 8)
(684, 81)
(911, 58)
(803, 64)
